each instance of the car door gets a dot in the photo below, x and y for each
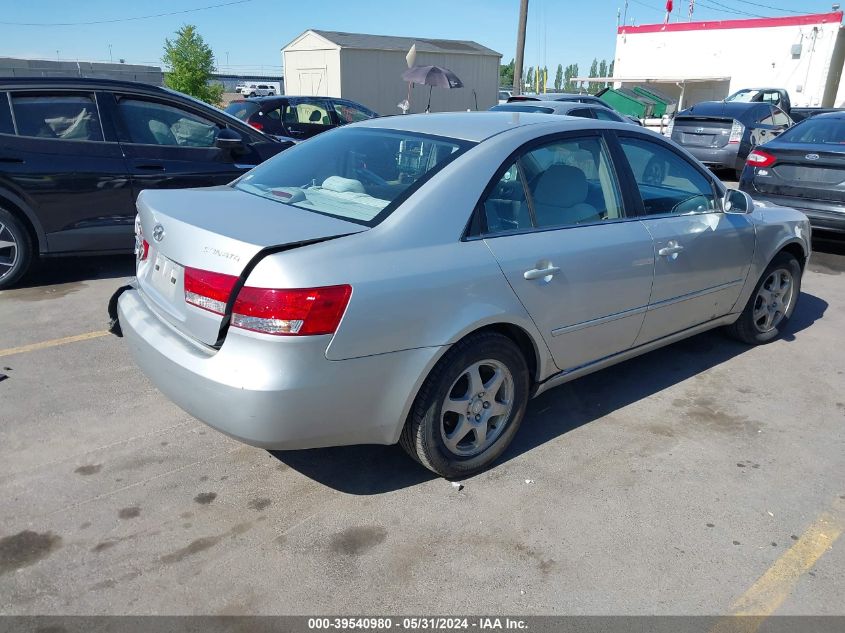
(304, 118)
(702, 255)
(555, 221)
(169, 145)
(63, 159)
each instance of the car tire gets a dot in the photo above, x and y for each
(447, 438)
(772, 303)
(251, 94)
(16, 258)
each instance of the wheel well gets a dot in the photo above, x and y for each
(797, 251)
(522, 340)
(16, 211)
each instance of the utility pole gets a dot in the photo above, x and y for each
(520, 47)
(110, 56)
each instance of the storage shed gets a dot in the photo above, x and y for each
(368, 69)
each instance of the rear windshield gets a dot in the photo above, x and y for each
(816, 130)
(242, 109)
(743, 96)
(522, 108)
(356, 174)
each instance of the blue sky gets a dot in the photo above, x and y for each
(250, 34)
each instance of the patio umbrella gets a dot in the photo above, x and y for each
(432, 76)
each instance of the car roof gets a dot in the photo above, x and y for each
(477, 126)
(828, 115)
(558, 106)
(80, 82)
(723, 108)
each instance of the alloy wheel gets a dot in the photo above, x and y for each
(773, 300)
(8, 250)
(477, 408)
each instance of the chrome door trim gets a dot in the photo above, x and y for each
(599, 321)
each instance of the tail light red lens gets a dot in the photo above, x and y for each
(142, 246)
(759, 158)
(302, 311)
(282, 312)
(258, 125)
(207, 290)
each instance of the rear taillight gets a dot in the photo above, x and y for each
(737, 130)
(142, 246)
(759, 158)
(282, 312)
(303, 311)
(207, 290)
(258, 125)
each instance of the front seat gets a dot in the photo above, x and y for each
(559, 197)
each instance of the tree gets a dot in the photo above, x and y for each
(529, 78)
(568, 74)
(610, 68)
(506, 74)
(559, 77)
(544, 80)
(603, 71)
(593, 87)
(191, 63)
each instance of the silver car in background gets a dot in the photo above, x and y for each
(417, 279)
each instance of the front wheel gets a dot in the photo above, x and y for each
(470, 406)
(15, 249)
(771, 304)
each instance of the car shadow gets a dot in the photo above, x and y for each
(369, 469)
(52, 271)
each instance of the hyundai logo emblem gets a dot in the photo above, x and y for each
(699, 130)
(158, 232)
(812, 157)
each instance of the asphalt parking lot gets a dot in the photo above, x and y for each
(703, 478)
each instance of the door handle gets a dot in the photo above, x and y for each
(540, 273)
(151, 167)
(671, 249)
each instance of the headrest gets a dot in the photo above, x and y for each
(340, 184)
(561, 186)
(315, 116)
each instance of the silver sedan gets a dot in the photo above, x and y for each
(417, 279)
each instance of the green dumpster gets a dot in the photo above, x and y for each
(628, 102)
(662, 103)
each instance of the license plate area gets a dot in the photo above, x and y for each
(167, 278)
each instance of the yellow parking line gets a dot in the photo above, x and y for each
(767, 594)
(53, 343)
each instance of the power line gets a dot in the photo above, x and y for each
(723, 8)
(138, 17)
(766, 6)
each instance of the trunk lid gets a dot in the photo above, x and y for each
(215, 229)
(702, 131)
(814, 172)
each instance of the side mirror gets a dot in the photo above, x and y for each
(229, 140)
(738, 202)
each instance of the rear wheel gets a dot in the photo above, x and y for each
(15, 249)
(470, 406)
(771, 304)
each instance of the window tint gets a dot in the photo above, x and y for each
(349, 113)
(781, 118)
(67, 117)
(606, 115)
(667, 183)
(154, 123)
(584, 113)
(307, 112)
(822, 129)
(505, 207)
(242, 109)
(521, 107)
(6, 126)
(765, 117)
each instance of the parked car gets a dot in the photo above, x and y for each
(573, 97)
(417, 279)
(779, 97)
(504, 95)
(298, 118)
(568, 108)
(255, 90)
(721, 134)
(74, 153)
(803, 168)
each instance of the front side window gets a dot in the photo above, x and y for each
(57, 116)
(306, 112)
(348, 113)
(667, 183)
(568, 182)
(353, 174)
(153, 123)
(606, 115)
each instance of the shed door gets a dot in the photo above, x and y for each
(312, 81)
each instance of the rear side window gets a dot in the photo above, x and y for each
(242, 109)
(781, 118)
(6, 125)
(152, 123)
(307, 112)
(667, 183)
(584, 113)
(606, 115)
(69, 117)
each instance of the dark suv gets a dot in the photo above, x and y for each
(74, 153)
(298, 118)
